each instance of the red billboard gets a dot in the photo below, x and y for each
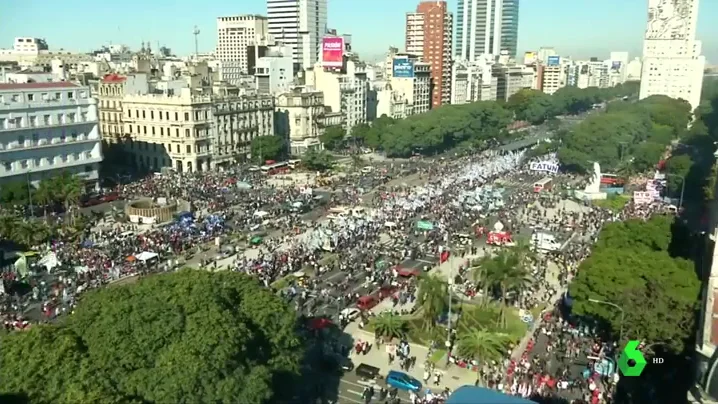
(332, 51)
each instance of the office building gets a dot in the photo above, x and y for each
(428, 35)
(274, 70)
(189, 132)
(486, 27)
(414, 84)
(47, 129)
(472, 81)
(299, 24)
(235, 36)
(672, 60)
(511, 78)
(345, 90)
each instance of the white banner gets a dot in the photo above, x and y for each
(544, 166)
(642, 198)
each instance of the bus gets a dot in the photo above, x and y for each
(612, 180)
(543, 185)
(275, 168)
(294, 163)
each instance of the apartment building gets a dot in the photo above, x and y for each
(235, 35)
(344, 92)
(110, 92)
(301, 117)
(47, 129)
(472, 81)
(238, 120)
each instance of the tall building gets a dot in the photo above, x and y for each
(235, 35)
(299, 24)
(672, 60)
(48, 128)
(344, 91)
(428, 35)
(486, 27)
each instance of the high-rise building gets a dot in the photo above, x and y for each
(428, 35)
(672, 60)
(486, 27)
(235, 35)
(299, 24)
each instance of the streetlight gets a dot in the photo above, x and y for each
(623, 313)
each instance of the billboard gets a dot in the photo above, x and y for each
(530, 58)
(545, 166)
(616, 65)
(403, 68)
(554, 60)
(332, 51)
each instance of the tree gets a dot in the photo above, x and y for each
(333, 137)
(483, 346)
(69, 189)
(433, 298)
(15, 193)
(678, 168)
(317, 160)
(45, 195)
(632, 267)
(186, 337)
(505, 272)
(390, 325)
(267, 148)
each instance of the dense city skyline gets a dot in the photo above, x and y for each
(624, 30)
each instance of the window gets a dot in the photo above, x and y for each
(177, 132)
(176, 116)
(186, 116)
(71, 118)
(31, 97)
(152, 114)
(75, 156)
(21, 140)
(24, 164)
(59, 119)
(71, 95)
(63, 138)
(144, 130)
(63, 158)
(143, 114)
(83, 95)
(3, 123)
(153, 130)
(162, 131)
(73, 136)
(167, 115)
(187, 133)
(8, 166)
(189, 149)
(58, 96)
(14, 98)
(37, 163)
(35, 138)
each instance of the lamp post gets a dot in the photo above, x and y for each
(623, 313)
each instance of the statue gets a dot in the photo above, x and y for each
(594, 186)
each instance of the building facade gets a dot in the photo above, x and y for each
(471, 82)
(417, 88)
(511, 79)
(47, 129)
(235, 35)
(299, 24)
(300, 118)
(238, 120)
(672, 60)
(429, 30)
(345, 91)
(110, 92)
(486, 27)
(274, 71)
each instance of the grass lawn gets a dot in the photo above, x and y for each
(613, 202)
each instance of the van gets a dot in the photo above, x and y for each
(367, 170)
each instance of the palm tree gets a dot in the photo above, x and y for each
(512, 278)
(8, 226)
(45, 195)
(524, 253)
(390, 325)
(69, 188)
(483, 346)
(433, 298)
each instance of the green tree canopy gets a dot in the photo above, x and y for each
(268, 148)
(631, 266)
(317, 160)
(333, 137)
(187, 337)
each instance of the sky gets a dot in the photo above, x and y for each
(575, 28)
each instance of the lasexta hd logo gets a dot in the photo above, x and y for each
(632, 362)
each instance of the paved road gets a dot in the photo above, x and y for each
(351, 388)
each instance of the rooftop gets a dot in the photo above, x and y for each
(114, 78)
(37, 86)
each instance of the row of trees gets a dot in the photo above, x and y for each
(474, 125)
(187, 337)
(63, 190)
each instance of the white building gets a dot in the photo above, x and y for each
(299, 24)
(486, 27)
(343, 92)
(633, 69)
(415, 34)
(416, 89)
(388, 101)
(672, 60)
(544, 53)
(235, 35)
(552, 78)
(300, 117)
(472, 81)
(48, 128)
(274, 71)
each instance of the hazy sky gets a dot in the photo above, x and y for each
(578, 28)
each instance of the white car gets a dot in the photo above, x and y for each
(350, 313)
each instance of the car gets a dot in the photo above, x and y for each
(350, 313)
(402, 381)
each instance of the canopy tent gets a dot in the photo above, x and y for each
(260, 214)
(146, 256)
(424, 225)
(244, 185)
(49, 261)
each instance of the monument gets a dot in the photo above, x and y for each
(593, 189)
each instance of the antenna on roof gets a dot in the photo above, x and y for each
(195, 32)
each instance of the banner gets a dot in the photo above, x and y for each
(553, 60)
(544, 166)
(642, 198)
(332, 51)
(403, 68)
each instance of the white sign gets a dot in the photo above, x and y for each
(642, 198)
(545, 166)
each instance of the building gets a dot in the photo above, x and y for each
(633, 69)
(235, 36)
(345, 90)
(512, 78)
(672, 60)
(550, 78)
(27, 76)
(110, 91)
(190, 132)
(46, 129)
(387, 101)
(416, 87)
(472, 81)
(274, 71)
(486, 27)
(428, 35)
(299, 24)
(301, 117)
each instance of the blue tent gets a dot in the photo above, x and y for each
(480, 395)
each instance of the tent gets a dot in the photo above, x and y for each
(243, 185)
(146, 256)
(424, 225)
(260, 214)
(49, 261)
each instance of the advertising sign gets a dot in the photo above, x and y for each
(332, 51)
(616, 65)
(403, 68)
(642, 198)
(530, 58)
(544, 166)
(554, 60)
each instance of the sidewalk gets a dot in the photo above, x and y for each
(454, 377)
